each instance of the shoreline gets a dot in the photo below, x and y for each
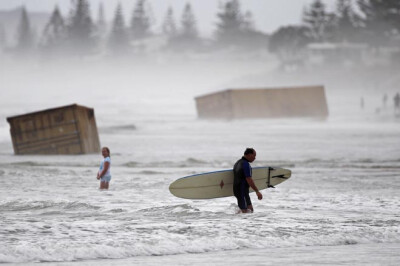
(356, 254)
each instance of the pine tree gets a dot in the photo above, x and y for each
(248, 22)
(230, 26)
(140, 22)
(169, 26)
(188, 22)
(346, 21)
(236, 29)
(118, 42)
(55, 32)
(318, 21)
(380, 19)
(80, 30)
(3, 37)
(393, 15)
(101, 26)
(187, 37)
(25, 35)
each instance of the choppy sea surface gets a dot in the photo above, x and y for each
(340, 207)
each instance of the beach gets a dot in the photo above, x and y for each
(340, 207)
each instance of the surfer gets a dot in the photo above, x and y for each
(243, 180)
(104, 174)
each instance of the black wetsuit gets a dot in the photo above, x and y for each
(241, 170)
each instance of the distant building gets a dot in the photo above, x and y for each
(336, 53)
(64, 130)
(264, 103)
(352, 54)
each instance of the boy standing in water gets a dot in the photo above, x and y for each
(104, 173)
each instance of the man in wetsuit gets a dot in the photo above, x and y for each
(243, 180)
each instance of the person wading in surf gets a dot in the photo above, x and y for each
(104, 173)
(243, 180)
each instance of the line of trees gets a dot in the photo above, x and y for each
(375, 22)
(80, 35)
(372, 22)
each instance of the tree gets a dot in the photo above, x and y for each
(169, 25)
(140, 22)
(25, 35)
(118, 42)
(230, 25)
(346, 22)
(237, 30)
(101, 25)
(393, 14)
(80, 29)
(248, 22)
(188, 22)
(288, 43)
(55, 32)
(187, 36)
(3, 37)
(250, 37)
(380, 19)
(318, 21)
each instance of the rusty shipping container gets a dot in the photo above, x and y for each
(63, 130)
(307, 101)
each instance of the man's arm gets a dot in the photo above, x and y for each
(254, 187)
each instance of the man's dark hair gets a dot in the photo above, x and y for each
(249, 151)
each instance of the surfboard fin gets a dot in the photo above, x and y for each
(279, 176)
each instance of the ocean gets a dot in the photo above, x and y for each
(340, 207)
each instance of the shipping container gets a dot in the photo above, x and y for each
(307, 101)
(68, 129)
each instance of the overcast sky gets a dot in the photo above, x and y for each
(268, 15)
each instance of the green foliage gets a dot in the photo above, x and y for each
(230, 25)
(187, 37)
(289, 40)
(118, 42)
(318, 21)
(188, 22)
(140, 22)
(80, 29)
(380, 20)
(237, 30)
(380, 15)
(55, 32)
(169, 25)
(3, 37)
(25, 35)
(346, 22)
(375, 22)
(101, 23)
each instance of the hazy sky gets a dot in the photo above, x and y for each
(268, 14)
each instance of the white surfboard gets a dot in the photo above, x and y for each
(220, 184)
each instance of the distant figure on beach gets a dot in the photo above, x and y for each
(104, 173)
(243, 180)
(384, 99)
(362, 103)
(396, 99)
